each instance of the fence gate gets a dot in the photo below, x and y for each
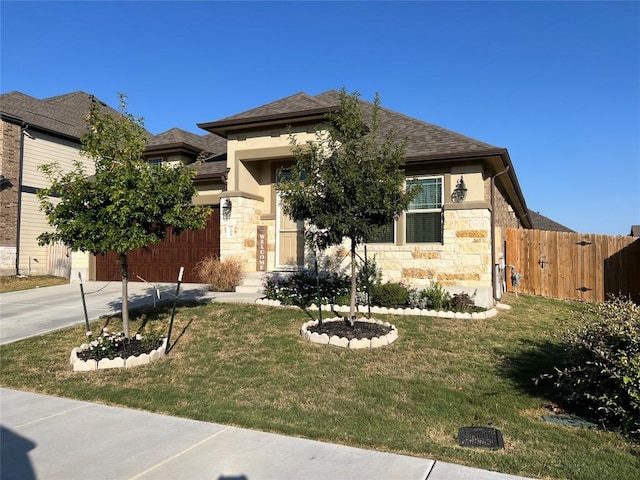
(572, 265)
(59, 260)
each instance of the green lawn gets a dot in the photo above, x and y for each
(14, 283)
(247, 366)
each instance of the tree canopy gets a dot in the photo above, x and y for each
(128, 203)
(349, 181)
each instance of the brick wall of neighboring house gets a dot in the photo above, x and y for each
(10, 168)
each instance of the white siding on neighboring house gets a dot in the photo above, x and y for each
(39, 150)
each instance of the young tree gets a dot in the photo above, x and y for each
(349, 181)
(127, 204)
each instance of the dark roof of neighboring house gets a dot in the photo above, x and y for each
(63, 114)
(635, 230)
(176, 138)
(540, 222)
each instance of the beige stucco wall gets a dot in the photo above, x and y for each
(252, 159)
(462, 263)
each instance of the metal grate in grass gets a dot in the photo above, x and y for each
(480, 437)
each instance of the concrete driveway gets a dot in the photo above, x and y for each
(28, 313)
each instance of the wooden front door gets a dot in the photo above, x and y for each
(290, 241)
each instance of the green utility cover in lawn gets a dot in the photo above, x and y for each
(570, 421)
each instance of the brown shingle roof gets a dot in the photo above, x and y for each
(62, 114)
(210, 143)
(299, 102)
(423, 139)
(540, 222)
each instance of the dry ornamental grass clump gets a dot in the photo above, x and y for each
(221, 275)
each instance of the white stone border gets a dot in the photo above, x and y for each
(118, 362)
(324, 339)
(397, 311)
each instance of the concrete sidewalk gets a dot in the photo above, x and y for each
(53, 438)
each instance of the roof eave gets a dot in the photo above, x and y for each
(222, 127)
(172, 147)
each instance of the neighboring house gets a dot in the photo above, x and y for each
(39, 131)
(34, 132)
(458, 242)
(540, 222)
(635, 231)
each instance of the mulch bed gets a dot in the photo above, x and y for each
(132, 348)
(343, 329)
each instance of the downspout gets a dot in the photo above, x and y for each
(23, 128)
(493, 231)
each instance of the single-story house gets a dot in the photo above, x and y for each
(456, 239)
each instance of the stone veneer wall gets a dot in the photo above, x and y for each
(238, 234)
(10, 168)
(462, 261)
(461, 264)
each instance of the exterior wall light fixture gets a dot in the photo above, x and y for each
(226, 209)
(460, 192)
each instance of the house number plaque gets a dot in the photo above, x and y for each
(261, 249)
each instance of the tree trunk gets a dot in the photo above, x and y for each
(125, 294)
(352, 306)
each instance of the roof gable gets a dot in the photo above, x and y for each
(424, 140)
(299, 102)
(210, 143)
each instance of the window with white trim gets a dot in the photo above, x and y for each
(423, 218)
(155, 161)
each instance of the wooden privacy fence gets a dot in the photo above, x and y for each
(574, 266)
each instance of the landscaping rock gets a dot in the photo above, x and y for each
(359, 343)
(379, 341)
(117, 362)
(82, 366)
(339, 341)
(136, 361)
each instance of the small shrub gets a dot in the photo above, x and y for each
(390, 295)
(462, 302)
(434, 297)
(371, 276)
(221, 275)
(602, 373)
(418, 299)
(106, 344)
(301, 289)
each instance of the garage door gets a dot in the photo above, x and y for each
(161, 262)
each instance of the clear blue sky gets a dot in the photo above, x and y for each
(557, 84)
